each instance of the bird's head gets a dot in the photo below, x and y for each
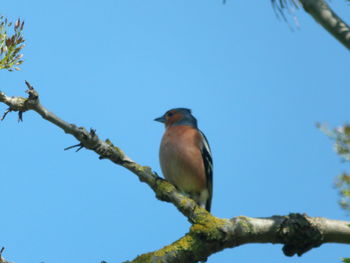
(177, 117)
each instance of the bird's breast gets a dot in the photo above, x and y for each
(181, 159)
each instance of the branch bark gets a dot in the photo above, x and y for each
(208, 234)
(327, 18)
(299, 233)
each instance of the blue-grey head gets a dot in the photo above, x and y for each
(177, 117)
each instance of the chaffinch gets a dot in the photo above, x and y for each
(185, 156)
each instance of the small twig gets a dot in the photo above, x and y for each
(20, 116)
(5, 113)
(2, 260)
(33, 94)
(80, 145)
(30, 87)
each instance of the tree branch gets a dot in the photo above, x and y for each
(299, 233)
(164, 190)
(324, 15)
(208, 234)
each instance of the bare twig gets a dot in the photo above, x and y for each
(5, 113)
(2, 260)
(75, 146)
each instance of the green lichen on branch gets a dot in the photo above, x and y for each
(15, 103)
(114, 149)
(11, 44)
(163, 190)
(244, 223)
(195, 246)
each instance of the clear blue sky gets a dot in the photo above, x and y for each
(256, 87)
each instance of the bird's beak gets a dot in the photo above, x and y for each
(160, 119)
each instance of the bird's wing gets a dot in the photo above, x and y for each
(208, 165)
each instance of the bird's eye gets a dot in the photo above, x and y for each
(169, 114)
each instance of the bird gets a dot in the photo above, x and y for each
(185, 156)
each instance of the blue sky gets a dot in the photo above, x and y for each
(256, 87)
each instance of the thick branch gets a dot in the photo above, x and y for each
(299, 233)
(208, 234)
(324, 15)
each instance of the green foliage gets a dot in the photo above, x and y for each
(343, 142)
(11, 44)
(346, 260)
(341, 137)
(343, 185)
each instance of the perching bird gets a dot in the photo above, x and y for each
(185, 156)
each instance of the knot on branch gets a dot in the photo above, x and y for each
(299, 235)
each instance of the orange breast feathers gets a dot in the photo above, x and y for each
(181, 158)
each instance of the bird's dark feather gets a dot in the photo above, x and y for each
(208, 165)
